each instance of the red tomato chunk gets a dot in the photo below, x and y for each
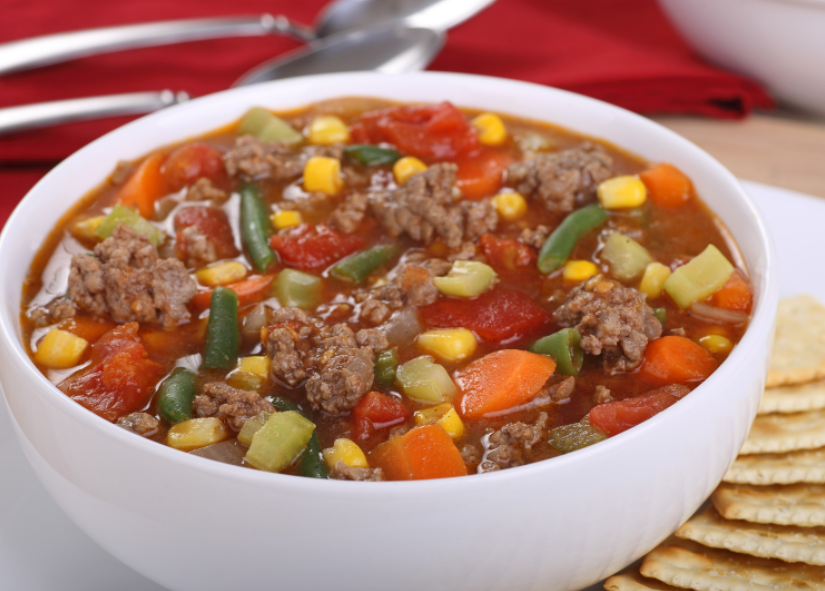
(313, 247)
(377, 411)
(211, 222)
(507, 254)
(190, 162)
(616, 417)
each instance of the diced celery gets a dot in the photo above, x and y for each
(533, 141)
(266, 126)
(466, 279)
(282, 439)
(423, 380)
(569, 438)
(251, 426)
(703, 276)
(129, 217)
(295, 289)
(627, 258)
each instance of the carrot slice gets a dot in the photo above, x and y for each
(734, 295)
(667, 185)
(502, 380)
(421, 453)
(248, 290)
(146, 185)
(481, 175)
(676, 360)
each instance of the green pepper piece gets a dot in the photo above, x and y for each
(371, 155)
(660, 314)
(385, 365)
(358, 267)
(223, 339)
(563, 346)
(266, 126)
(255, 227)
(559, 245)
(295, 289)
(129, 217)
(175, 396)
(569, 438)
(312, 462)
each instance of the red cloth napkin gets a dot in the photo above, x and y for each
(621, 51)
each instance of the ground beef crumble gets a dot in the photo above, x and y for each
(535, 237)
(349, 214)
(229, 404)
(204, 190)
(126, 279)
(614, 321)
(505, 446)
(340, 471)
(58, 309)
(253, 159)
(200, 251)
(140, 423)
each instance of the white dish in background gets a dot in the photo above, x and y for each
(780, 43)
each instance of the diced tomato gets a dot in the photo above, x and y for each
(120, 380)
(498, 316)
(507, 254)
(311, 248)
(430, 132)
(377, 411)
(213, 223)
(481, 175)
(190, 162)
(249, 291)
(621, 415)
(734, 295)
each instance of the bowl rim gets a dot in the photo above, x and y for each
(765, 298)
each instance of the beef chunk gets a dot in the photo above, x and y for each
(506, 445)
(127, 280)
(254, 159)
(425, 208)
(140, 423)
(535, 237)
(229, 404)
(204, 190)
(200, 251)
(602, 395)
(349, 214)
(287, 344)
(55, 311)
(563, 179)
(373, 338)
(560, 391)
(340, 471)
(470, 455)
(614, 321)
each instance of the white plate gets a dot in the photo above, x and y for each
(41, 549)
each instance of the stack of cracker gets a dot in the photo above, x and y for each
(766, 528)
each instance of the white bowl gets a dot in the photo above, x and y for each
(193, 524)
(780, 43)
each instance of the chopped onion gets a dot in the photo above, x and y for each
(709, 313)
(402, 327)
(228, 452)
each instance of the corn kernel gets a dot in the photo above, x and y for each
(579, 271)
(444, 415)
(195, 433)
(323, 174)
(511, 206)
(257, 366)
(449, 344)
(491, 129)
(60, 349)
(347, 451)
(653, 280)
(328, 129)
(221, 273)
(622, 192)
(716, 343)
(407, 166)
(286, 218)
(85, 229)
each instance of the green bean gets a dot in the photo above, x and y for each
(255, 227)
(560, 244)
(563, 346)
(385, 365)
(358, 267)
(371, 155)
(222, 334)
(175, 396)
(312, 462)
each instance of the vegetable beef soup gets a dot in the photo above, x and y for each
(363, 290)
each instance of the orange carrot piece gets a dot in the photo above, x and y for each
(734, 295)
(248, 290)
(146, 185)
(676, 360)
(481, 175)
(421, 453)
(87, 328)
(667, 185)
(502, 380)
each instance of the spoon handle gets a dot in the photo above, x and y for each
(60, 47)
(56, 112)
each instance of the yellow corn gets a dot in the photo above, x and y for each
(653, 280)
(221, 273)
(257, 366)
(328, 129)
(194, 433)
(444, 415)
(323, 174)
(622, 192)
(449, 344)
(407, 166)
(60, 349)
(347, 451)
(286, 218)
(511, 206)
(491, 129)
(716, 343)
(578, 271)
(85, 229)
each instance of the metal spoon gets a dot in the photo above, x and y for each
(339, 16)
(388, 49)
